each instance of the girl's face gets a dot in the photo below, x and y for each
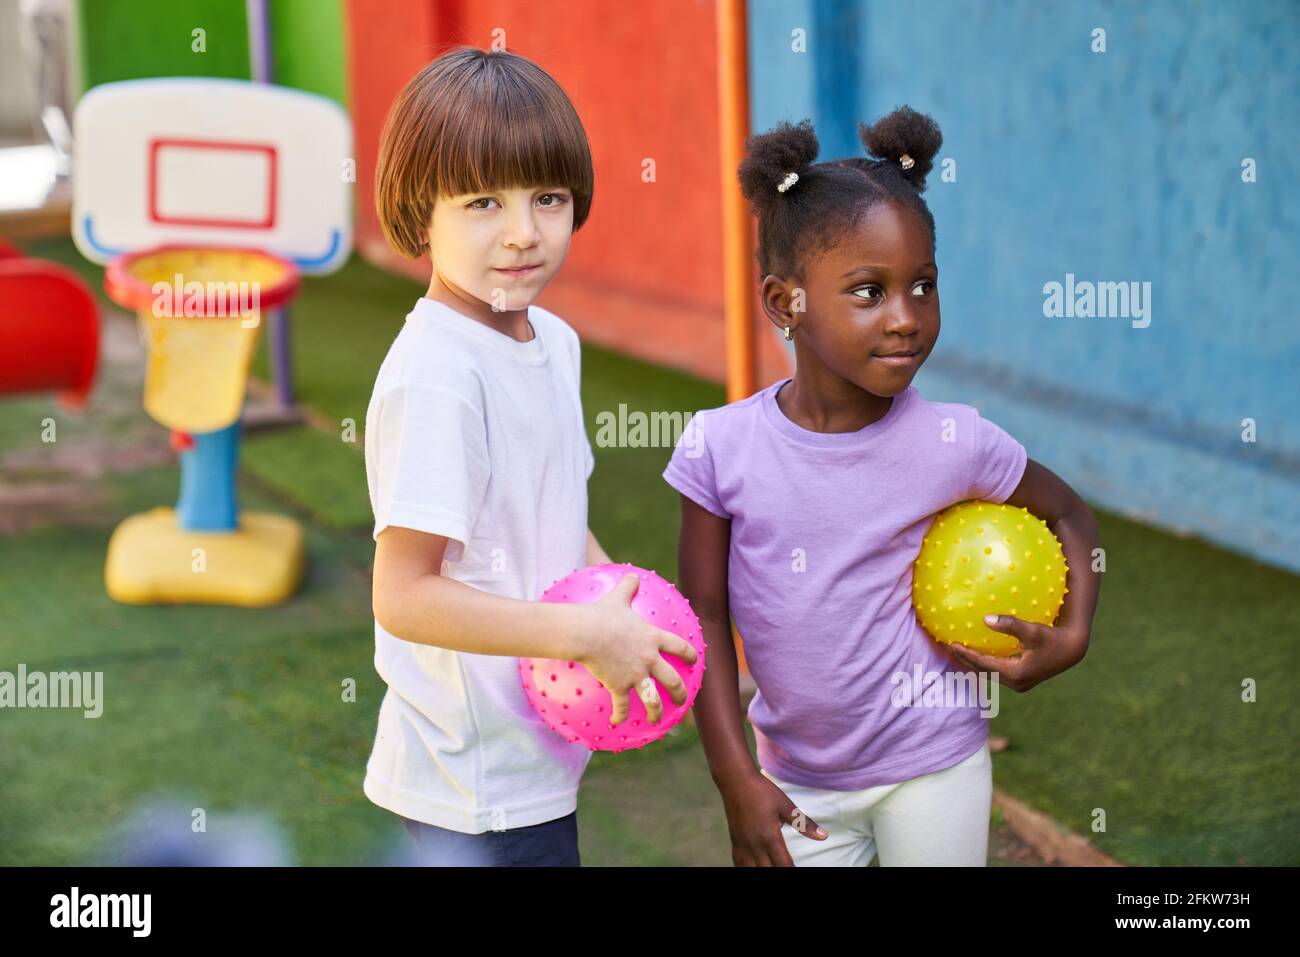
(478, 240)
(872, 303)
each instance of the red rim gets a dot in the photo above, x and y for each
(131, 292)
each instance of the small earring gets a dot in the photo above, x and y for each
(789, 334)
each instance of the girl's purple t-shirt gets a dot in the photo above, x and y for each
(824, 531)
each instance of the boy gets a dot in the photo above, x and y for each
(477, 462)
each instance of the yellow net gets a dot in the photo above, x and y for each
(200, 324)
(198, 370)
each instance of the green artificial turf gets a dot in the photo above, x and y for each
(231, 708)
(241, 709)
(1151, 728)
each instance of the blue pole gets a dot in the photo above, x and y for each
(207, 500)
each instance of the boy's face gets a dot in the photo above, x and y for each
(475, 240)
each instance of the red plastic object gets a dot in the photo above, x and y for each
(49, 331)
(131, 291)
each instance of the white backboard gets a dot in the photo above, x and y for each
(196, 161)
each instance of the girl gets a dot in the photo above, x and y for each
(804, 506)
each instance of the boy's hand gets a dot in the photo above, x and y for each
(1045, 652)
(756, 808)
(624, 653)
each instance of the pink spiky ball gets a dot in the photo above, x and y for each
(574, 703)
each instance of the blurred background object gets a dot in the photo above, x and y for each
(164, 833)
(35, 140)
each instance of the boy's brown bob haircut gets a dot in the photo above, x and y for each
(471, 122)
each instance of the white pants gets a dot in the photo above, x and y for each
(937, 819)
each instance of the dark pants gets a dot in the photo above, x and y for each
(549, 844)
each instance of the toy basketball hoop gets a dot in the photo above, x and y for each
(205, 199)
(201, 311)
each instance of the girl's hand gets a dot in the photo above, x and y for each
(756, 808)
(1045, 652)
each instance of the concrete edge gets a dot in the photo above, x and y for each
(1052, 842)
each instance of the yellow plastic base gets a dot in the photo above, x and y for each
(152, 560)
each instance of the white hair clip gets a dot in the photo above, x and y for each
(906, 161)
(790, 180)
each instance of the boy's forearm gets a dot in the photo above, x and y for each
(439, 611)
(595, 554)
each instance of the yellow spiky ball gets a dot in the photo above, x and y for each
(981, 558)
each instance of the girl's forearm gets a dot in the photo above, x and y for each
(445, 613)
(717, 709)
(1077, 531)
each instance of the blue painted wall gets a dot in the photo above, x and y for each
(1115, 166)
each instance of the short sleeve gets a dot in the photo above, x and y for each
(586, 439)
(431, 464)
(997, 465)
(575, 355)
(690, 470)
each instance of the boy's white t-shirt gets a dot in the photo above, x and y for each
(476, 436)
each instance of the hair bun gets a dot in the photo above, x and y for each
(769, 159)
(904, 133)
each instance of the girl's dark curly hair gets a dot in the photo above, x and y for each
(829, 198)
